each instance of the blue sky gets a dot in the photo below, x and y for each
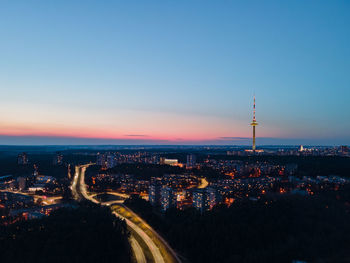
(174, 71)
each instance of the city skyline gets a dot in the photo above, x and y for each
(179, 73)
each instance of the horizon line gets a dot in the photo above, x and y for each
(172, 145)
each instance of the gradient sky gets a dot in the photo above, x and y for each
(174, 72)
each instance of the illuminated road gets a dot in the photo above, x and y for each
(46, 200)
(161, 252)
(79, 193)
(140, 257)
(158, 258)
(204, 183)
(119, 195)
(157, 243)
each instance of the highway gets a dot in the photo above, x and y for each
(159, 249)
(139, 255)
(125, 196)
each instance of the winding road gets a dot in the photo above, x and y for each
(158, 247)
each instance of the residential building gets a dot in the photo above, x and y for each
(155, 193)
(22, 159)
(201, 200)
(191, 161)
(168, 198)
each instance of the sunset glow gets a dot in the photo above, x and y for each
(116, 70)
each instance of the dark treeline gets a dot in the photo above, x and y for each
(141, 171)
(307, 165)
(313, 229)
(146, 171)
(44, 163)
(87, 234)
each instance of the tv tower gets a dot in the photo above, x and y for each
(254, 123)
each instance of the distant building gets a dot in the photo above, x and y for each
(213, 196)
(111, 161)
(291, 169)
(22, 159)
(44, 179)
(344, 149)
(191, 161)
(14, 200)
(201, 200)
(37, 187)
(22, 183)
(33, 215)
(238, 153)
(168, 198)
(155, 193)
(35, 173)
(101, 159)
(168, 161)
(6, 182)
(58, 159)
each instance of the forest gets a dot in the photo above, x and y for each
(141, 171)
(43, 161)
(88, 233)
(307, 165)
(312, 229)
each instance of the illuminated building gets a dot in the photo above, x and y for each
(173, 162)
(201, 200)
(301, 148)
(191, 161)
(254, 123)
(22, 159)
(213, 196)
(37, 187)
(154, 193)
(168, 198)
(184, 200)
(44, 179)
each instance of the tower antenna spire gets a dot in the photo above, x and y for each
(254, 119)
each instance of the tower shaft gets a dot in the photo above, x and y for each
(254, 146)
